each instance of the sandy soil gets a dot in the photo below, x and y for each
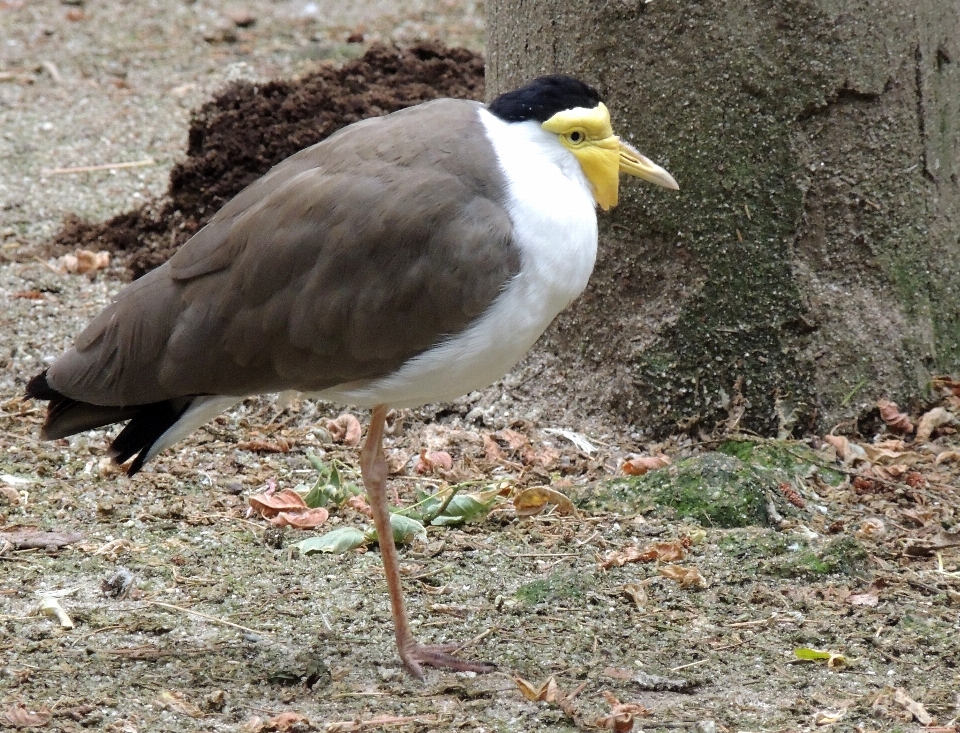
(188, 614)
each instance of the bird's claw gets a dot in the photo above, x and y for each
(439, 655)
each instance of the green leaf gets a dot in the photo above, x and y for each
(315, 497)
(337, 541)
(315, 461)
(405, 529)
(462, 507)
(810, 654)
(833, 659)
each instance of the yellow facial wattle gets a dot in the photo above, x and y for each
(588, 134)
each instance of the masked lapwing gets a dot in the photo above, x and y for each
(406, 259)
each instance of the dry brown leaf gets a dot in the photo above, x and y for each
(880, 455)
(640, 466)
(19, 717)
(871, 529)
(433, 461)
(83, 261)
(948, 385)
(280, 445)
(637, 592)
(285, 721)
(667, 551)
(912, 706)
(935, 418)
(546, 691)
(898, 422)
(918, 516)
(253, 724)
(345, 429)
(26, 539)
(686, 577)
(870, 598)
(533, 501)
(269, 505)
(618, 558)
(306, 519)
(846, 451)
(621, 714)
(175, 701)
(523, 449)
(515, 441)
(10, 494)
(359, 504)
(923, 546)
(947, 456)
(491, 449)
(28, 294)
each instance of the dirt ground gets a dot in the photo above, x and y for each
(675, 599)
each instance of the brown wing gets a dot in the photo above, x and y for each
(341, 263)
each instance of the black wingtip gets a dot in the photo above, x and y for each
(39, 388)
(144, 430)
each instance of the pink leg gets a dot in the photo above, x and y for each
(373, 468)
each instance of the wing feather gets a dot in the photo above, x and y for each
(340, 264)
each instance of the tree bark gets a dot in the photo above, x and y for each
(809, 264)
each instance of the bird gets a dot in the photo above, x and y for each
(406, 259)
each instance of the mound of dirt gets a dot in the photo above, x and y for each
(249, 128)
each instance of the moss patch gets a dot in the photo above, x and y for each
(558, 586)
(793, 556)
(795, 459)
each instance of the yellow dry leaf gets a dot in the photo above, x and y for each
(935, 418)
(175, 701)
(533, 501)
(880, 455)
(829, 717)
(545, 692)
(912, 706)
(686, 577)
(846, 451)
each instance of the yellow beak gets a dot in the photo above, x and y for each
(602, 155)
(634, 164)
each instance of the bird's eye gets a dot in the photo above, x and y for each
(576, 137)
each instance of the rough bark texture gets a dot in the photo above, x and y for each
(810, 263)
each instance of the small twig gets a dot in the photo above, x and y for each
(477, 639)
(51, 68)
(205, 616)
(101, 167)
(691, 664)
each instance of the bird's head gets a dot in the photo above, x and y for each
(573, 111)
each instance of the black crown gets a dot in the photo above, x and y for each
(542, 98)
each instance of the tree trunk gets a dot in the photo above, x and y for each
(809, 263)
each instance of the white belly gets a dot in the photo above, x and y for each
(555, 227)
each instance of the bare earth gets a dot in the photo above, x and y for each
(188, 614)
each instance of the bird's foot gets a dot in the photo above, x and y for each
(438, 655)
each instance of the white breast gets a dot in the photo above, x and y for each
(555, 227)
